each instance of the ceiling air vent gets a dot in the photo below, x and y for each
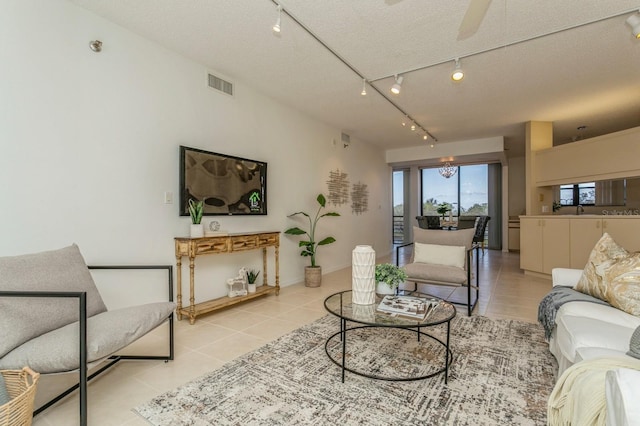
(220, 85)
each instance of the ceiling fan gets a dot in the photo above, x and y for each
(473, 18)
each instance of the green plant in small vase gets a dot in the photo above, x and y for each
(388, 278)
(313, 273)
(196, 210)
(556, 206)
(252, 276)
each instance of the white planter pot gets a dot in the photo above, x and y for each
(251, 288)
(384, 288)
(197, 230)
(363, 272)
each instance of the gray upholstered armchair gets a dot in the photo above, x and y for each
(444, 258)
(53, 319)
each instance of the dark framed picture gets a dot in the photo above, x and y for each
(226, 184)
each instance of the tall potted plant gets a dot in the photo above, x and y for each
(312, 273)
(196, 209)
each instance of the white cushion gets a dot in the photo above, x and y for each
(440, 255)
(565, 277)
(622, 394)
(578, 332)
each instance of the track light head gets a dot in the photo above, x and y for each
(634, 22)
(413, 127)
(364, 87)
(425, 137)
(397, 86)
(457, 73)
(276, 27)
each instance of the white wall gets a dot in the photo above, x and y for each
(89, 144)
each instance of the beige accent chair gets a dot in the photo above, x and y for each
(444, 258)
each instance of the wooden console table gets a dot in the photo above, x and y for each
(231, 243)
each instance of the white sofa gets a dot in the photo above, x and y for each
(586, 331)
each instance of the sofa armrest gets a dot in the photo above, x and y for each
(565, 277)
(622, 393)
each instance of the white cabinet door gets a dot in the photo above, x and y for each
(585, 233)
(556, 247)
(531, 244)
(624, 231)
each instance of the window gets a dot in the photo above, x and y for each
(466, 191)
(578, 194)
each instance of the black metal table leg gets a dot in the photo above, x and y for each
(343, 323)
(446, 355)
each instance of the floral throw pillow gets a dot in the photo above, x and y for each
(604, 254)
(622, 280)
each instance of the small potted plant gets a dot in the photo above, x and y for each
(252, 276)
(388, 278)
(195, 211)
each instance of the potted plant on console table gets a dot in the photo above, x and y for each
(313, 273)
(195, 211)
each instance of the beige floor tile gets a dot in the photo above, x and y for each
(233, 346)
(272, 329)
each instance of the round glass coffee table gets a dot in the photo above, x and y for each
(368, 317)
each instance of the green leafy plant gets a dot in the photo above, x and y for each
(252, 276)
(390, 274)
(195, 211)
(443, 208)
(556, 206)
(310, 246)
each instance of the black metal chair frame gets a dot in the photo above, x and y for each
(84, 378)
(481, 228)
(470, 306)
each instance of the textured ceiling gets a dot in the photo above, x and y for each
(580, 65)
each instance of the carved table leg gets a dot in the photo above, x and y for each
(179, 285)
(277, 270)
(192, 296)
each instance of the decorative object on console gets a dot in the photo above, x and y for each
(313, 273)
(363, 284)
(252, 276)
(388, 278)
(195, 211)
(237, 285)
(213, 230)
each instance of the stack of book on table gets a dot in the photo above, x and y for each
(407, 306)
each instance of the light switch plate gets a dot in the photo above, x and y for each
(168, 197)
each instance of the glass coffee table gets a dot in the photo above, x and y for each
(367, 319)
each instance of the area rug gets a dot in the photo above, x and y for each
(502, 374)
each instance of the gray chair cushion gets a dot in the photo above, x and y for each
(108, 332)
(23, 319)
(432, 272)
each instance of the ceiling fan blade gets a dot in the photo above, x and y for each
(473, 18)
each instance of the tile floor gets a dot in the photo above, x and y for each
(219, 337)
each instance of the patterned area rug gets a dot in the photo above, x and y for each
(502, 374)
